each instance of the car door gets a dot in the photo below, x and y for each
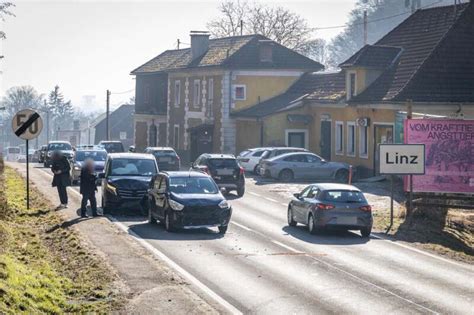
(298, 165)
(161, 195)
(318, 168)
(299, 205)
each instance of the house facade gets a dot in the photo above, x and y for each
(205, 84)
(120, 126)
(423, 68)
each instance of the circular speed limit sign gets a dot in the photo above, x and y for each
(27, 124)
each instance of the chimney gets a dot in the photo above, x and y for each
(199, 43)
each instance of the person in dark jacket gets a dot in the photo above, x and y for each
(61, 169)
(88, 188)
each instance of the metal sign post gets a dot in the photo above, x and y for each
(27, 124)
(401, 159)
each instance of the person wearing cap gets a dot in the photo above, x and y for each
(88, 188)
(61, 169)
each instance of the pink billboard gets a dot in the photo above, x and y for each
(449, 152)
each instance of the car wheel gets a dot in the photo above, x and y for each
(168, 225)
(222, 229)
(342, 176)
(105, 209)
(255, 170)
(311, 225)
(365, 232)
(291, 221)
(286, 175)
(240, 191)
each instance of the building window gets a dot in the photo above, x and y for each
(339, 138)
(123, 135)
(266, 53)
(146, 94)
(363, 141)
(240, 93)
(196, 92)
(351, 138)
(351, 85)
(177, 93)
(210, 98)
(176, 137)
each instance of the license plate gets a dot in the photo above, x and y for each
(225, 172)
(347, 220)
(165, 159)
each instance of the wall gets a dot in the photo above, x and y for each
(248, 134)
(156, 101)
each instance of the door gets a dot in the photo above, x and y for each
(382, 134)
(317, 168)
(297, 164)
(160, 196)
(299, 206)
(325, 142)
(296, 139)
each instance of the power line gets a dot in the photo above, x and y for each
(124, 92)
(375, 20)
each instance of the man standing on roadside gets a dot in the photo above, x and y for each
(61, 168)
(88, 188)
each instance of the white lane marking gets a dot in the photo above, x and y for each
(241, 226)
(423, 252)
(286, 246)
(255, 194)
(232, 309)
(270, 199)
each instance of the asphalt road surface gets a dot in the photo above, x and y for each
(264, 266)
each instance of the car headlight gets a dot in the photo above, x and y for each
(77, 168)
(50, 153)
(175, 205)
(224, 204)
(111, 188)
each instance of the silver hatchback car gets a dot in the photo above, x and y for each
(304, 165)
(338, 206)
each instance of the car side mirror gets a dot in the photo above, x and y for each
(296, 195)
(222, 190)
(101, 175)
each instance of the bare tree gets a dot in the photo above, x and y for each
(20, 97)
(277, 23)
(5, 8)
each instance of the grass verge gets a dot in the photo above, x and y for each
(44, 266)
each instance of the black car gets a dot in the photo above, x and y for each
(167, 158)
(112, 146)
(126, 180)
(63, 147)
(42, 153)
(188, 200)
(224, 169)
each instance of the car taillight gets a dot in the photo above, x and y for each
(242, 171)
(323, 206)
(366, 208)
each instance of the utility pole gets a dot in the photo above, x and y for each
(178, 43)
(241, 27)
(107, 116)
(47, 121)
(365, 27)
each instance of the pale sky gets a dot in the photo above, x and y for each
(87, 47)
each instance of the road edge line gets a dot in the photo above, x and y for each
(187, 275)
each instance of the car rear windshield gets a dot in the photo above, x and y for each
(223, 163)
(114, 147)
(59, 146)
(95, 155)
(345, 196)
(164, 153)
(193, 185)
(132, 167)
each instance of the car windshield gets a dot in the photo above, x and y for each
(113, 147)
(223, 163)
(95, 155)
(345, 196)
(59, 146)
(193, 185)
(132, 167)
(162, 153)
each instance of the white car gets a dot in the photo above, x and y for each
(250, 158)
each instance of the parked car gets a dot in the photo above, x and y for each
(304, 165)
(338, 206)
(42, 153)
(250, 158)
(126, 180)
(188, 200)
(34, 156)
(113, 146)
(167, 158)
(98, 155)
(64, 147)
(276, 151)
(224, 169)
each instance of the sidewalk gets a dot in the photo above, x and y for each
(151, 286)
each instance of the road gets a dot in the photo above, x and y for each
(263, 266)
